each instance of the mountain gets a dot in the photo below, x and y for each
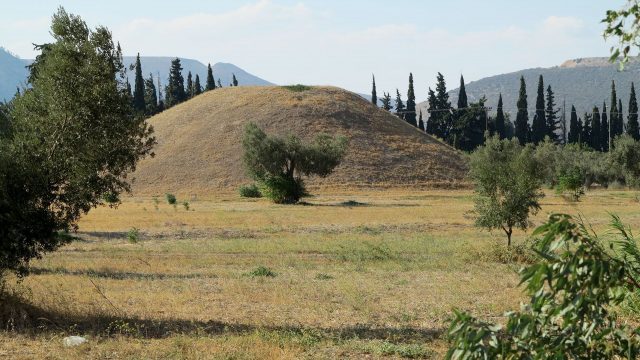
(13, 73)
(223, 71)
(199, 148)
(583, 82)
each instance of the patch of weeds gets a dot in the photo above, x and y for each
(407, 351)
(261, 271)
(171, 199)
(321, 276)
(123, 328)
(297, 87)
(370, 252)
(499, 252)
(250, 191)
(133, 235)
(305, 338)
(186, 205)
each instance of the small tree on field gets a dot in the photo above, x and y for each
(278, 164)
(571, 182)
(507, 185)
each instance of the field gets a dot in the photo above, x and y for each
(346, 275)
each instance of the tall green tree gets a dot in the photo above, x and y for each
(74, 140)
(190, 89)
(617, 127)
(605, 129)
(374, 93)
(551, 116)
(500, 120)
(462, 95)
(621, 115)
(400, 109)
(175, 92)
(386, 102)
(522, 117)
(197, 88)
(138, 89)
(633, 128)
(587, 133)
(539, 125)
(410, 115)
(211, 83)
(431, 121)
(440, 111)
(150, 97)
(469, 127)
(234, 80)
(574, 127)
(596, 137)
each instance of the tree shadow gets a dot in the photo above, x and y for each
(25, 318)
(116, 275)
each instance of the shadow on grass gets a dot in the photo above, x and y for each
(19, 316)
(116, 275)
(352, 203)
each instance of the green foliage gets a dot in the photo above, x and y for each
(171, 199)
(440, 119)
(507, 185)
(73, 140)
(262, 271)
(400, 108)
(572, 289)
(175, 92)
(633, 127)
(133, 235)
(297, 87)
(139, 90)
(211, 83)
(410, 115)
(571, 183)
(111, 198)
(386, 102)
(185, 204)
(278, 164)
(250, 191)
(374, 94)
(150, 97)
(469, 126)
(625, 157)
(522, 118)
(623, 24)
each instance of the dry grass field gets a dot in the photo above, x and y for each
(346, 275)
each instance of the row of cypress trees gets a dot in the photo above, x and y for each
(147, 99)
(464, 126)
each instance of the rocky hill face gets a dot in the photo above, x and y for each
(200, 141)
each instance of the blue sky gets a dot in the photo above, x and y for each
(333, 42)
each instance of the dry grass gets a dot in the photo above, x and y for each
(200, 141)
(377, 280)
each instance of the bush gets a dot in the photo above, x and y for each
(171, 199)
(571, 183)
(297, 88)
(186, 205)
(572, 289)
(250, 191)
(133, 235)
(262, 271)
(111, 198)
(278, 164)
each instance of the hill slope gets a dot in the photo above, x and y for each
(13, 73)
(581, 82)
(200, 141)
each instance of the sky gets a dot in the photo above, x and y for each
(337, 42)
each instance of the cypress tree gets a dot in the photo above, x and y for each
(399, 105)
(138, 92)
(605, 129)
(596, 129)
(633, 128)
(374, 94)
(211, 83)
(574, 130)
(539, 126)
(617, 128)
(197, 88)
(431, 121)
(500, 120)
(462, 95)
(620, 115)
(551, 114)
(410, 115)
(420, 122)
(444, 120)
(234, 81)
(522, 118)
(190, 89)
(128, 90)
(175, 93)
(161, 105)
(150, 97)
(587, 133)
(386, 102)
(219, 83)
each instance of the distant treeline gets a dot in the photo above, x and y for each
(464, 126)
(147, 98)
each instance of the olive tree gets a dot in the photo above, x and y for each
(278, 164)
(625, 159)
(507, 185)
(72, 142)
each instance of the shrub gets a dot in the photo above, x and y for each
(279, 164)
(262, 271)
(572, 289)
(111, 198)
(133, 235)
(250, 191)
(572, 183)
(171, 199)
(186, 205)
(297, 88)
